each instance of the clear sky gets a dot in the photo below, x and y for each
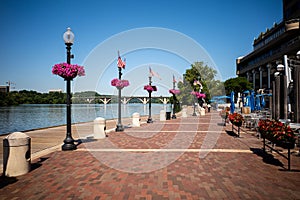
(31, 36)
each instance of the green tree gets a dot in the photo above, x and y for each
(206, 75)
(238, 84)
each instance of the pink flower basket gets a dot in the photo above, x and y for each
(68, 71)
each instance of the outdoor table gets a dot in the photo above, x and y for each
(285, 121)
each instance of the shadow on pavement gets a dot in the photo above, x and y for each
(5, 181)
(267, 158)
(231, 133)
(88, 139)
(37, 164)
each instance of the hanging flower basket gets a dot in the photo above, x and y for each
(173, 91)
(198, 94)
(120, 84)
(68, 71)
(277, 132)
(236, 119)
(150, 88)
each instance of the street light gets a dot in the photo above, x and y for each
(69, 141)
(119, 127)
(174, 99)
(195, 90)
(149, 91)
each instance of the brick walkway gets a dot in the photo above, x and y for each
(184, 158)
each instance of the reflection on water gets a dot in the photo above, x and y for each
(33, 116)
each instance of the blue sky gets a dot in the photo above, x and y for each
(31, 35)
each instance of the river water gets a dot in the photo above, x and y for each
(34, 116)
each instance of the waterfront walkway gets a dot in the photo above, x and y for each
(183, 158)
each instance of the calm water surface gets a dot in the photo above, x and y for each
(33, 116)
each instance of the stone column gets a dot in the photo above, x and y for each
(284, 98)
(260, 77)
(269, 75)
(248, 76)
(254, 73)
(277, 98)
(297, 94)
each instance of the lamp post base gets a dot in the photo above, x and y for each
(68, 144)
(119, 128)
(149, 120)
(194, 114)
(173, 116)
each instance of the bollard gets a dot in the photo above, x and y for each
(184, 112)
(99, 128)
(136, 119)
(202, 111)
(162, 115)
(16, 154)
(168, 111)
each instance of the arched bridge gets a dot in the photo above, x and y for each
(124, 99)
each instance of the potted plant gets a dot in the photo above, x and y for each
(277, 132)
(236, 119)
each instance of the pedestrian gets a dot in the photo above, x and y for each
(208, 107)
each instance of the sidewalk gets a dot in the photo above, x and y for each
(183, 158)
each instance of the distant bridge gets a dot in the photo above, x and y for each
(124, 99)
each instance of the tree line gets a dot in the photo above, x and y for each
(32, 97)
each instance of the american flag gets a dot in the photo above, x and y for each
(153, 73)
(121, 63)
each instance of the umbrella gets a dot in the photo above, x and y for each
(232, 106)
(257, 103)
(221, 97)
(252, 101)
(247, 103)
(263, 103)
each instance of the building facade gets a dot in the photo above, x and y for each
(4, 89)
(273, 65)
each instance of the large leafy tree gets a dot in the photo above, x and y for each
(206, 76)
(238, 84)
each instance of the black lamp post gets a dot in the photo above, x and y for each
(149, 91)
(174, 100)
(119, 127)
(194, 113)
(69, 141)
(195, 89)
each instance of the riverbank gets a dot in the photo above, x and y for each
(29, 117)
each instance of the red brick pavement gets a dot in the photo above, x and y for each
(237, 169)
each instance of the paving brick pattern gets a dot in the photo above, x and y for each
(231, 173)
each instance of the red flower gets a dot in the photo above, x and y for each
(274, 130)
